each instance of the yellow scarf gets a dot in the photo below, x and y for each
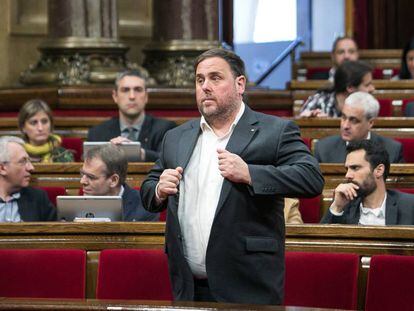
(44, 151)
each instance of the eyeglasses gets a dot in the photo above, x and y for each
(21, 162)
(90, 176)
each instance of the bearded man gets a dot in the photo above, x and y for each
(364, 199)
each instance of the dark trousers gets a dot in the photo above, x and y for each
(202, 291)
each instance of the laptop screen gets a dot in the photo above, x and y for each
(104, 208)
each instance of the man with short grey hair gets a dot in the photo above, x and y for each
(132, 124)
(18, 201)
(104, 172)
(358, 115)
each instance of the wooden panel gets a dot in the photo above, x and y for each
(67, 175)
(378, 58)
(99, 98)
(137, 305)
(362, 240)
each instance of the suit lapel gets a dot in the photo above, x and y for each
(126, 204)
(339, 153)
(187, 143)
(354, 212)
(243, 133)
(145, 130)
(391, 210)
(24, 208)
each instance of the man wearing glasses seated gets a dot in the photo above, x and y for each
(18, 201)
(104, 172)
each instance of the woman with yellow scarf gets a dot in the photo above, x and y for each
(36, 125)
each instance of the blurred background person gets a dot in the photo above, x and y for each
(407, 62)
(292, 212)
(350, 77)
(36, 125)
(343, 49)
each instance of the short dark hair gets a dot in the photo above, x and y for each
(235, 62)
(350, 73)
(339, 39)
(375, 154)
(114, 159)
(404, 72)
(133, 73)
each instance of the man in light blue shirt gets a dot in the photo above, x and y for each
(18, 201)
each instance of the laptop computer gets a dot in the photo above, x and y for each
(132, 149)
(89, 208)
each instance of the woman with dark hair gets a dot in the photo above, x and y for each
(407, 62)
(350, 77)
(36, 125)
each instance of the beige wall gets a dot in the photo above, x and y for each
(23, 26)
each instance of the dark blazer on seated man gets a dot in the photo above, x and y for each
(332, 149)
(34, 205)
(151, 135)
(399, 211)
(132, 208)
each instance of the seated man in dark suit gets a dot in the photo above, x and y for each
(104, 172)
(18, 201)
(133, 124)
(358, 115)
(364, 199)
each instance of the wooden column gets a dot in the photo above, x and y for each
(182, 30)
(82, 46)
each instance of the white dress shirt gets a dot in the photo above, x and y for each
(368, 215)
(373, 216)
(199, 194)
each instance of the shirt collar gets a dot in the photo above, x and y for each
(204, 125)
(368, 138)
(137, 125)
(121, 192)
(14, 196)
(377, 212)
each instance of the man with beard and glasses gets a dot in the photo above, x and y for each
(132, 124)
(364, 199)
(223, 179)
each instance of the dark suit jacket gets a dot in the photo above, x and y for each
(245, 253)
(332, 149)
(152, 132)
(34, 205)
(399, 210)
(132, 207)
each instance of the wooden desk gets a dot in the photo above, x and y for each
(175, 100)
(67, 175)
(142, 305)
(384, 126)
(363, 240)
(378, 58)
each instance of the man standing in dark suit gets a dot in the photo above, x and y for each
(133, 124)
(363, 199)
(18, 201)
(222, 179)
(104, 172)
(358, 116)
